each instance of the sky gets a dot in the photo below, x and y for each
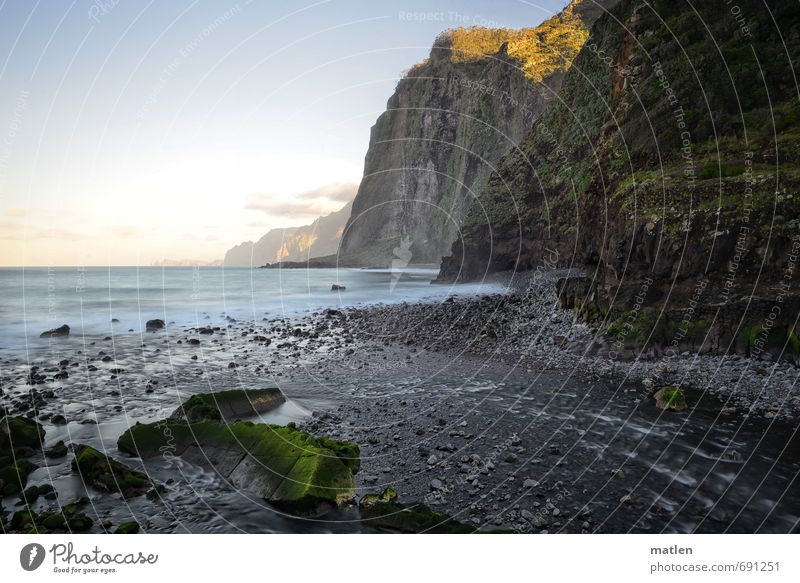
(134, 130)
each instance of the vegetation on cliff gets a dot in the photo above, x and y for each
(668, 160)
(540, 51)
(449, 121)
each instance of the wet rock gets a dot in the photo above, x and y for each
(154, 325)
(384, 512)
(131, 527)
(20, 437)
(670, 399)
(107, 474)
(62, 330)
(228, 405)
(289, 468)
(79, 523)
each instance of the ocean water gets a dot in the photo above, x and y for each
(87, 299)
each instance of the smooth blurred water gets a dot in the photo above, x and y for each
(37, 299)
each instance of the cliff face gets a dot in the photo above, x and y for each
(298, 244)
(669, 166)
(450, 119)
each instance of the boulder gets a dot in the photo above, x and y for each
(20, 432)
(58, 450)
(131, 527)
(19, 438)
(287, 467)
(384, 512)
(229, 405)
(107, 474)
(670, 399)
(153, 325)
(62, 330)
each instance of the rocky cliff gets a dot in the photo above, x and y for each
(669, 167)
(448, 122)
(298, 244)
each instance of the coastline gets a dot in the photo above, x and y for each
(468, 405)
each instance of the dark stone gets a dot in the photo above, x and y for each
(383, 511)
(131, 527)
(62, 330)
(107, 474)
(233, 404)
(291, 469)
(153, 325)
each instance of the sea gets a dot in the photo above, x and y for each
(106, 300)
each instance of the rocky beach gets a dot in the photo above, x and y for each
(497, 410)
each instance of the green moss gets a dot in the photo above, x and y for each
(20, 432)
(131, 527)
(383, 511)
(673, 395)
(23, 519)
(79, 523)
(368, 500)
(714, 170)
(794, 341)
(632, 327)
(58, 450)
(107, 474)
(55, 521)
(198, 408)
(671, 398)
(15, 476)
(288, 467)
(229, 404)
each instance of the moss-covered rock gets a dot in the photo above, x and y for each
(228, 405)
(384, 512)
(287, 467)
(58, 450)
(23, 519)
(64, 519)
(107, 474)
(79, 523)
(131, 527)
(54, 521)
(14, 476)
(20, 431)
(670, 399)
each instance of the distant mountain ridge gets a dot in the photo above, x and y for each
(187, 263)
(296, 244)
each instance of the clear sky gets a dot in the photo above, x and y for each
(135, 130)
